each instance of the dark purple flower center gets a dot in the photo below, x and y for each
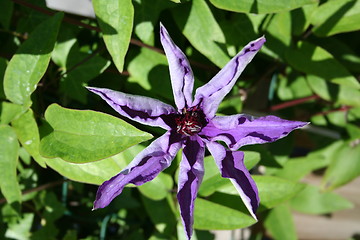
(190, 121)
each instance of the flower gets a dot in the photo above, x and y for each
(193, 126)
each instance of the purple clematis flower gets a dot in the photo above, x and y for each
(193, 125)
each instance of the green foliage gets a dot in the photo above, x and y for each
(116, 22)
(210, 215)
(52, 154)
(81, 136)
(28, 65)
(9, 148)
(260, 6)
(280, 224)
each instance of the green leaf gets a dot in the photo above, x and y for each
(335, 17)
(6, 7)
(82, 136)
(158, 188)
(210, 216)
(20, 229)
(10, 111)
(94, 172)
(300, 18)
(312, 201)
(115, 19)
(292, 85)
(28, 133)
(203, 32)
(278, 36)
(315, 60)
(30, 62)
(342, 51)
(260, 6)
(353, 131)
(212, 180)
(72, 84)
(272, 190)
(280, 223)
(296, 168)
(146, 16)
(149, 69)
(9, 148)
(161, 214)
(344, 166)
(340, 94)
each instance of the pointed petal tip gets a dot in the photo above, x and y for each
(258, 43)
(91, 89)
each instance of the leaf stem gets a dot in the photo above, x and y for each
(39, 188)
(293, 103)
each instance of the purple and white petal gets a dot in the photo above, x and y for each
(145, 110)
(190, 177)
(182, 78)
(231, 165)
(211, 94)
(239, 130)
(145, 167)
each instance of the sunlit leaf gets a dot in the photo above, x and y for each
(10, 111)
(260, 6)
(335, 17)
(158, 188)
(9, 148)
(30, 62)
(28, 133)
(312, 201)
(209, 216)
(272, 190)
(280, 224)
(344, 166)
(82, 136)
(213, 181)
(315, 60)
(94, 172)
(115, 19)
(203, 32)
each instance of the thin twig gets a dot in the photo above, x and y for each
(97, 29)
(39, 188)
(293, 103)
(340, 109)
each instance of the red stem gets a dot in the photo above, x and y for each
(293, 103)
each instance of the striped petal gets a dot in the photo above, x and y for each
(182, 78)
(239, 130)
(145, 167)
(190, 177)
(211, 94)
(231, 165)
(145, 110)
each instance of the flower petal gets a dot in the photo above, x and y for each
(211, 94)
(145, 110)
(239, 130)
(182, 78)
(145, 167)
(231, 165)
(190, 177)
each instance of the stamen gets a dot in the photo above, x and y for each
(191, 121)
